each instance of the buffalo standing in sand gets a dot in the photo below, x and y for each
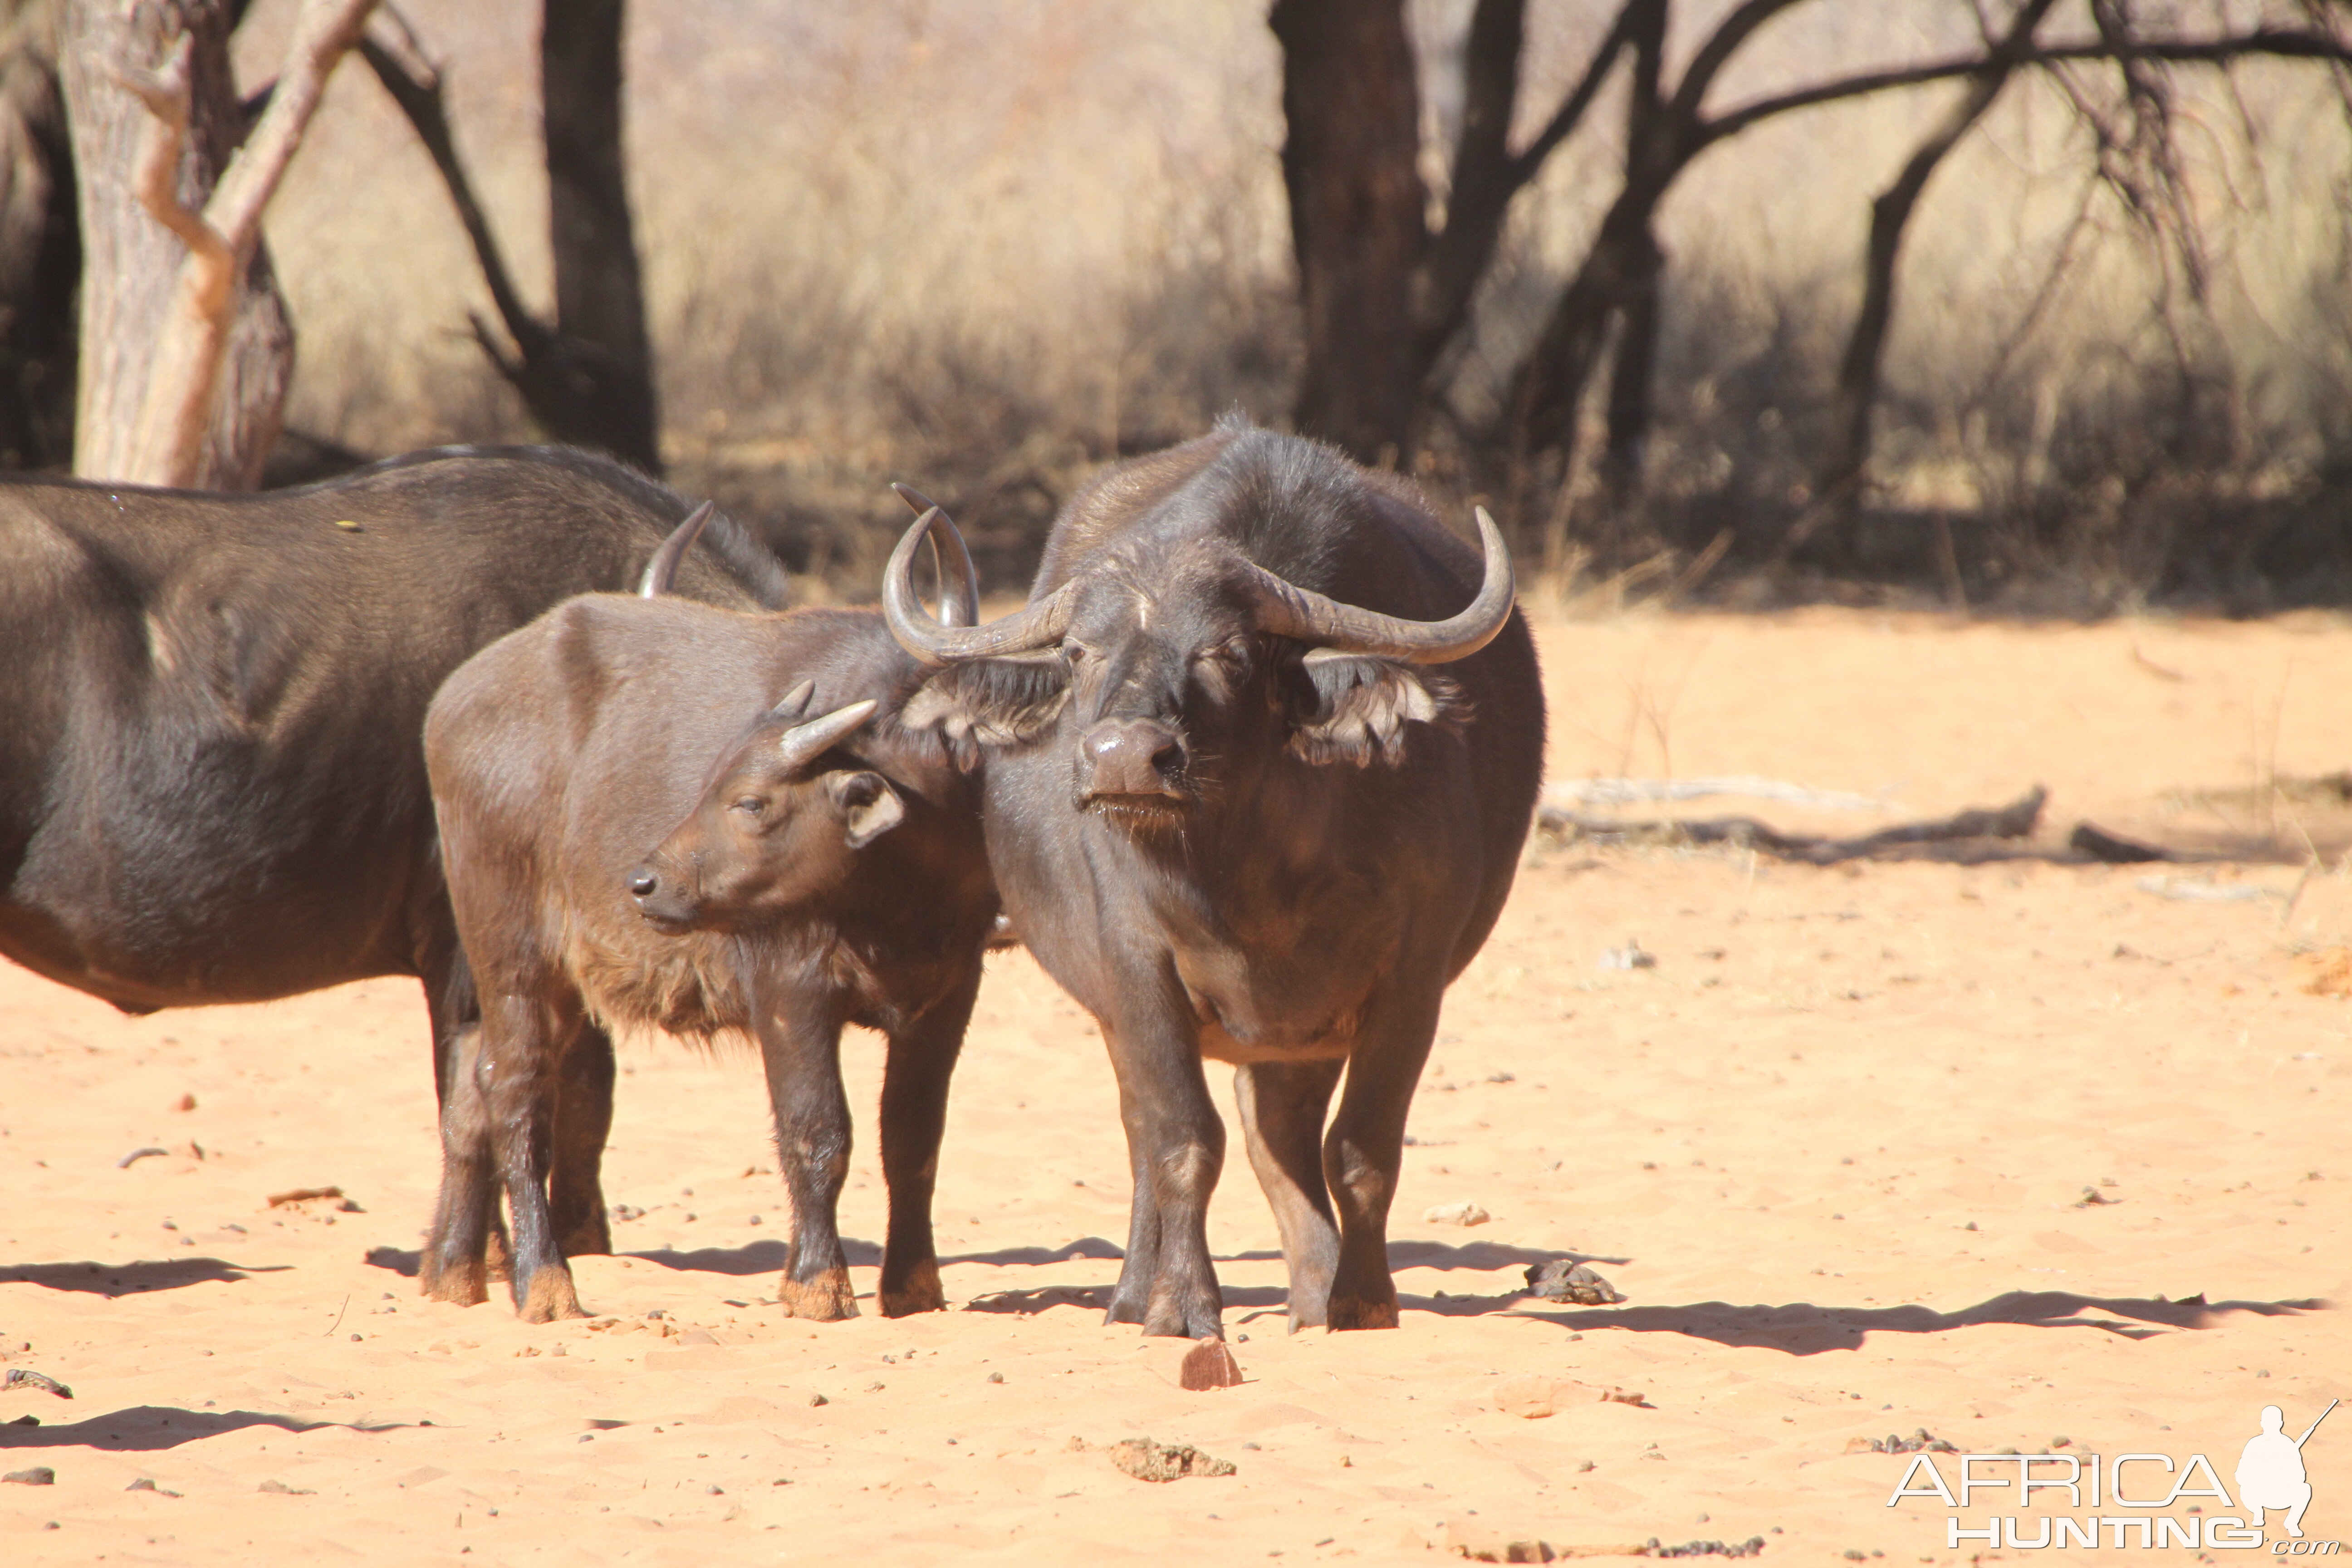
(1260, 755)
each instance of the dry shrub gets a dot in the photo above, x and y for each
(984, 244)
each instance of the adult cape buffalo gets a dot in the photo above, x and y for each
(212, 776)
(1260, 755)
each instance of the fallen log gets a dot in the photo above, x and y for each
(2015, 820)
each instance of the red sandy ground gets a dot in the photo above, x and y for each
(1833, 1148)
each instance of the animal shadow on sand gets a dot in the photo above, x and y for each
(143, 1428)
(1803, 1328)
(131, 1279)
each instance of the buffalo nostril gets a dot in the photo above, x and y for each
(645, 884)
(1170, 757)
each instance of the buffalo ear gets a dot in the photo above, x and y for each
(869, 806)
(1354, 709)
(990, 702)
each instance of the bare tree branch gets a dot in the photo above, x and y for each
(1713, 55)
(413, 81)
(174, 415)
(2281, 43)
(1571, 112)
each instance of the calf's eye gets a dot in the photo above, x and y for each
(751, 805)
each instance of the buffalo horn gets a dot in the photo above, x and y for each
(1024, 630)
(662, 569)
(959, 598)
(1288, 610)
(795, 701)
(803, 743)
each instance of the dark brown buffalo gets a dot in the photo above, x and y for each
(211, 784)
(1256, 782)
(826, 869)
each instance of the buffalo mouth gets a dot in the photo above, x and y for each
(1155, 810)
(670, 917)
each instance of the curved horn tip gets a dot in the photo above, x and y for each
(794, 701)
(916, 500)
(661, 572)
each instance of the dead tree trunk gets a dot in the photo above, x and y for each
(40, 243)
(131, 263)
(599, 298)
(1350, 165)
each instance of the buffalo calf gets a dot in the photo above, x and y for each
(826, 869)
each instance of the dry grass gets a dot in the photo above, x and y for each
(983, 245)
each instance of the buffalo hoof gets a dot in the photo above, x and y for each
(461, 1284)
(920, 1293)
(549, 1299)
(1362, 1314)
(1193, 1315)
(825, 1299)
(498, 1258)
(589, 1239)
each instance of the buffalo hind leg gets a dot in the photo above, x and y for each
(583, 1120)
(454, 1266)
(914, 1117)
(803, 1058)
(1365, 1151)
(1281, 1107)
(524, 1041)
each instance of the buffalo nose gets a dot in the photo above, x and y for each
(1134, 756)
(645, 884)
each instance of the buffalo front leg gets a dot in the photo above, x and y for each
(1130, 1299)
(915, 1077)
(1281, 1107)
(583, 1120)
(1183, 1149)
(1365, 1151)
(523, 1045)
(802, 1058)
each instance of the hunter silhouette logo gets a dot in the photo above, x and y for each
(2118, 1501)
(2271, 1473)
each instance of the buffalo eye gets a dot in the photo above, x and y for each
(752, 804)
(1233, 653)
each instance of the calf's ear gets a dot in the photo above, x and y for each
(1354, 707)
(869, 807)
(990, 702)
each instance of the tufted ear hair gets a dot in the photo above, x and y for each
(1355, 707)
(983, 702)
(869, 807)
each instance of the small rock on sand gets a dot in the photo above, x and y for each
(1565, 1279)
(38, 1476)
(1149, 1461)
(1208, 1364)
(1461, 1213)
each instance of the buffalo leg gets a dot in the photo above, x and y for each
(1131, 1299)
(914, 1117)
(469, 1245)
(1159, 1070)
(453, 1267)
(524, 1041)
(583, 1119)
(803, 1058)
(1365, 1151)
(1282, 1106)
